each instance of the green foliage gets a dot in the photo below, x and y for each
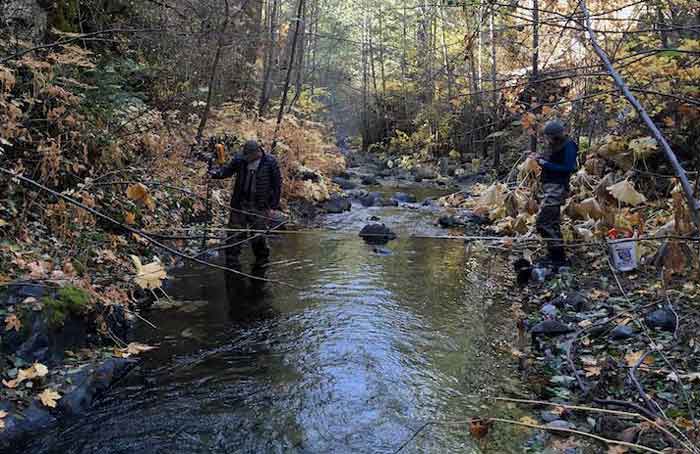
(68, 301)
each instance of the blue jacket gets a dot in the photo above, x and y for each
(268, 181)
(561, 164)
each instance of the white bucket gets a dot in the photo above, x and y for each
(624, 254)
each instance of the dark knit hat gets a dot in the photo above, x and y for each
(554, 129)
(250, 147)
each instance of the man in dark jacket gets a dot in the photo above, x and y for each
(558, 164)
(256, 192)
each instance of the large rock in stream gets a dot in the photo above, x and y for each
(377, 234)
(337, 204)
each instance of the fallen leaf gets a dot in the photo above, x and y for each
(130, 218)
(134, 348)
(12, 323)
(617, 450)
(624, 192)
(149, 276)
(136, 192)
(40, 370)
(49, 398)
(633, 358)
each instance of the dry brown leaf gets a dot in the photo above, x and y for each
(137, 192)
(624, 192)
(130, 218)
(617, 450)
(49, 398)
(12, 322)
(674, 258)
(589, 209)
(632, 358)
(149, 276)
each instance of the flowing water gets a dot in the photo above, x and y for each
(372, 344)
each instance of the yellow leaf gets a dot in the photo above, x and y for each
(49, 398)
(137, 192)
(624, 192)
(12, 322)
(149, 276)
(529, 420)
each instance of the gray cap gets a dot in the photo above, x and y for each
(554, 128)
(250, 147)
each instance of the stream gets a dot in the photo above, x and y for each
(374, 343)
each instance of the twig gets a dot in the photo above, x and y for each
(136, 314)
(415, 434)
(641, 413)
(633, 378)
(577, 432)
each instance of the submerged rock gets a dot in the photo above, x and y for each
(402, 197)
(448, 222)
(377, 234)
(337, 204)
(344, 183)
(369, 180)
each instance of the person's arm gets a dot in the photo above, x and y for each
(569, 164)
(276, 185)
(229, 169)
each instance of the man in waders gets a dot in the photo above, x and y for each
(558, 163)
(256, 192)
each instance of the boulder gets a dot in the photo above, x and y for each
(337, 204)
(377, 234)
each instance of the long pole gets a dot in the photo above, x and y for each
(670, 155)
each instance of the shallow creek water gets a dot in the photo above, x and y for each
(374, 343)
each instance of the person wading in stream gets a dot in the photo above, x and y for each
(558, 163)
(256, 192)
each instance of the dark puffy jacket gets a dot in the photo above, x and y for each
(559, 167)
(268, 181)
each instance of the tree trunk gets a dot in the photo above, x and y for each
(269, 61)
(285, 91)
(214, 67)
(494, 93)
(535, 60)
(300, 61)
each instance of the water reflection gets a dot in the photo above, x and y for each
(372, 346)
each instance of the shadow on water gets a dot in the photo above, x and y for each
(374, 345)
